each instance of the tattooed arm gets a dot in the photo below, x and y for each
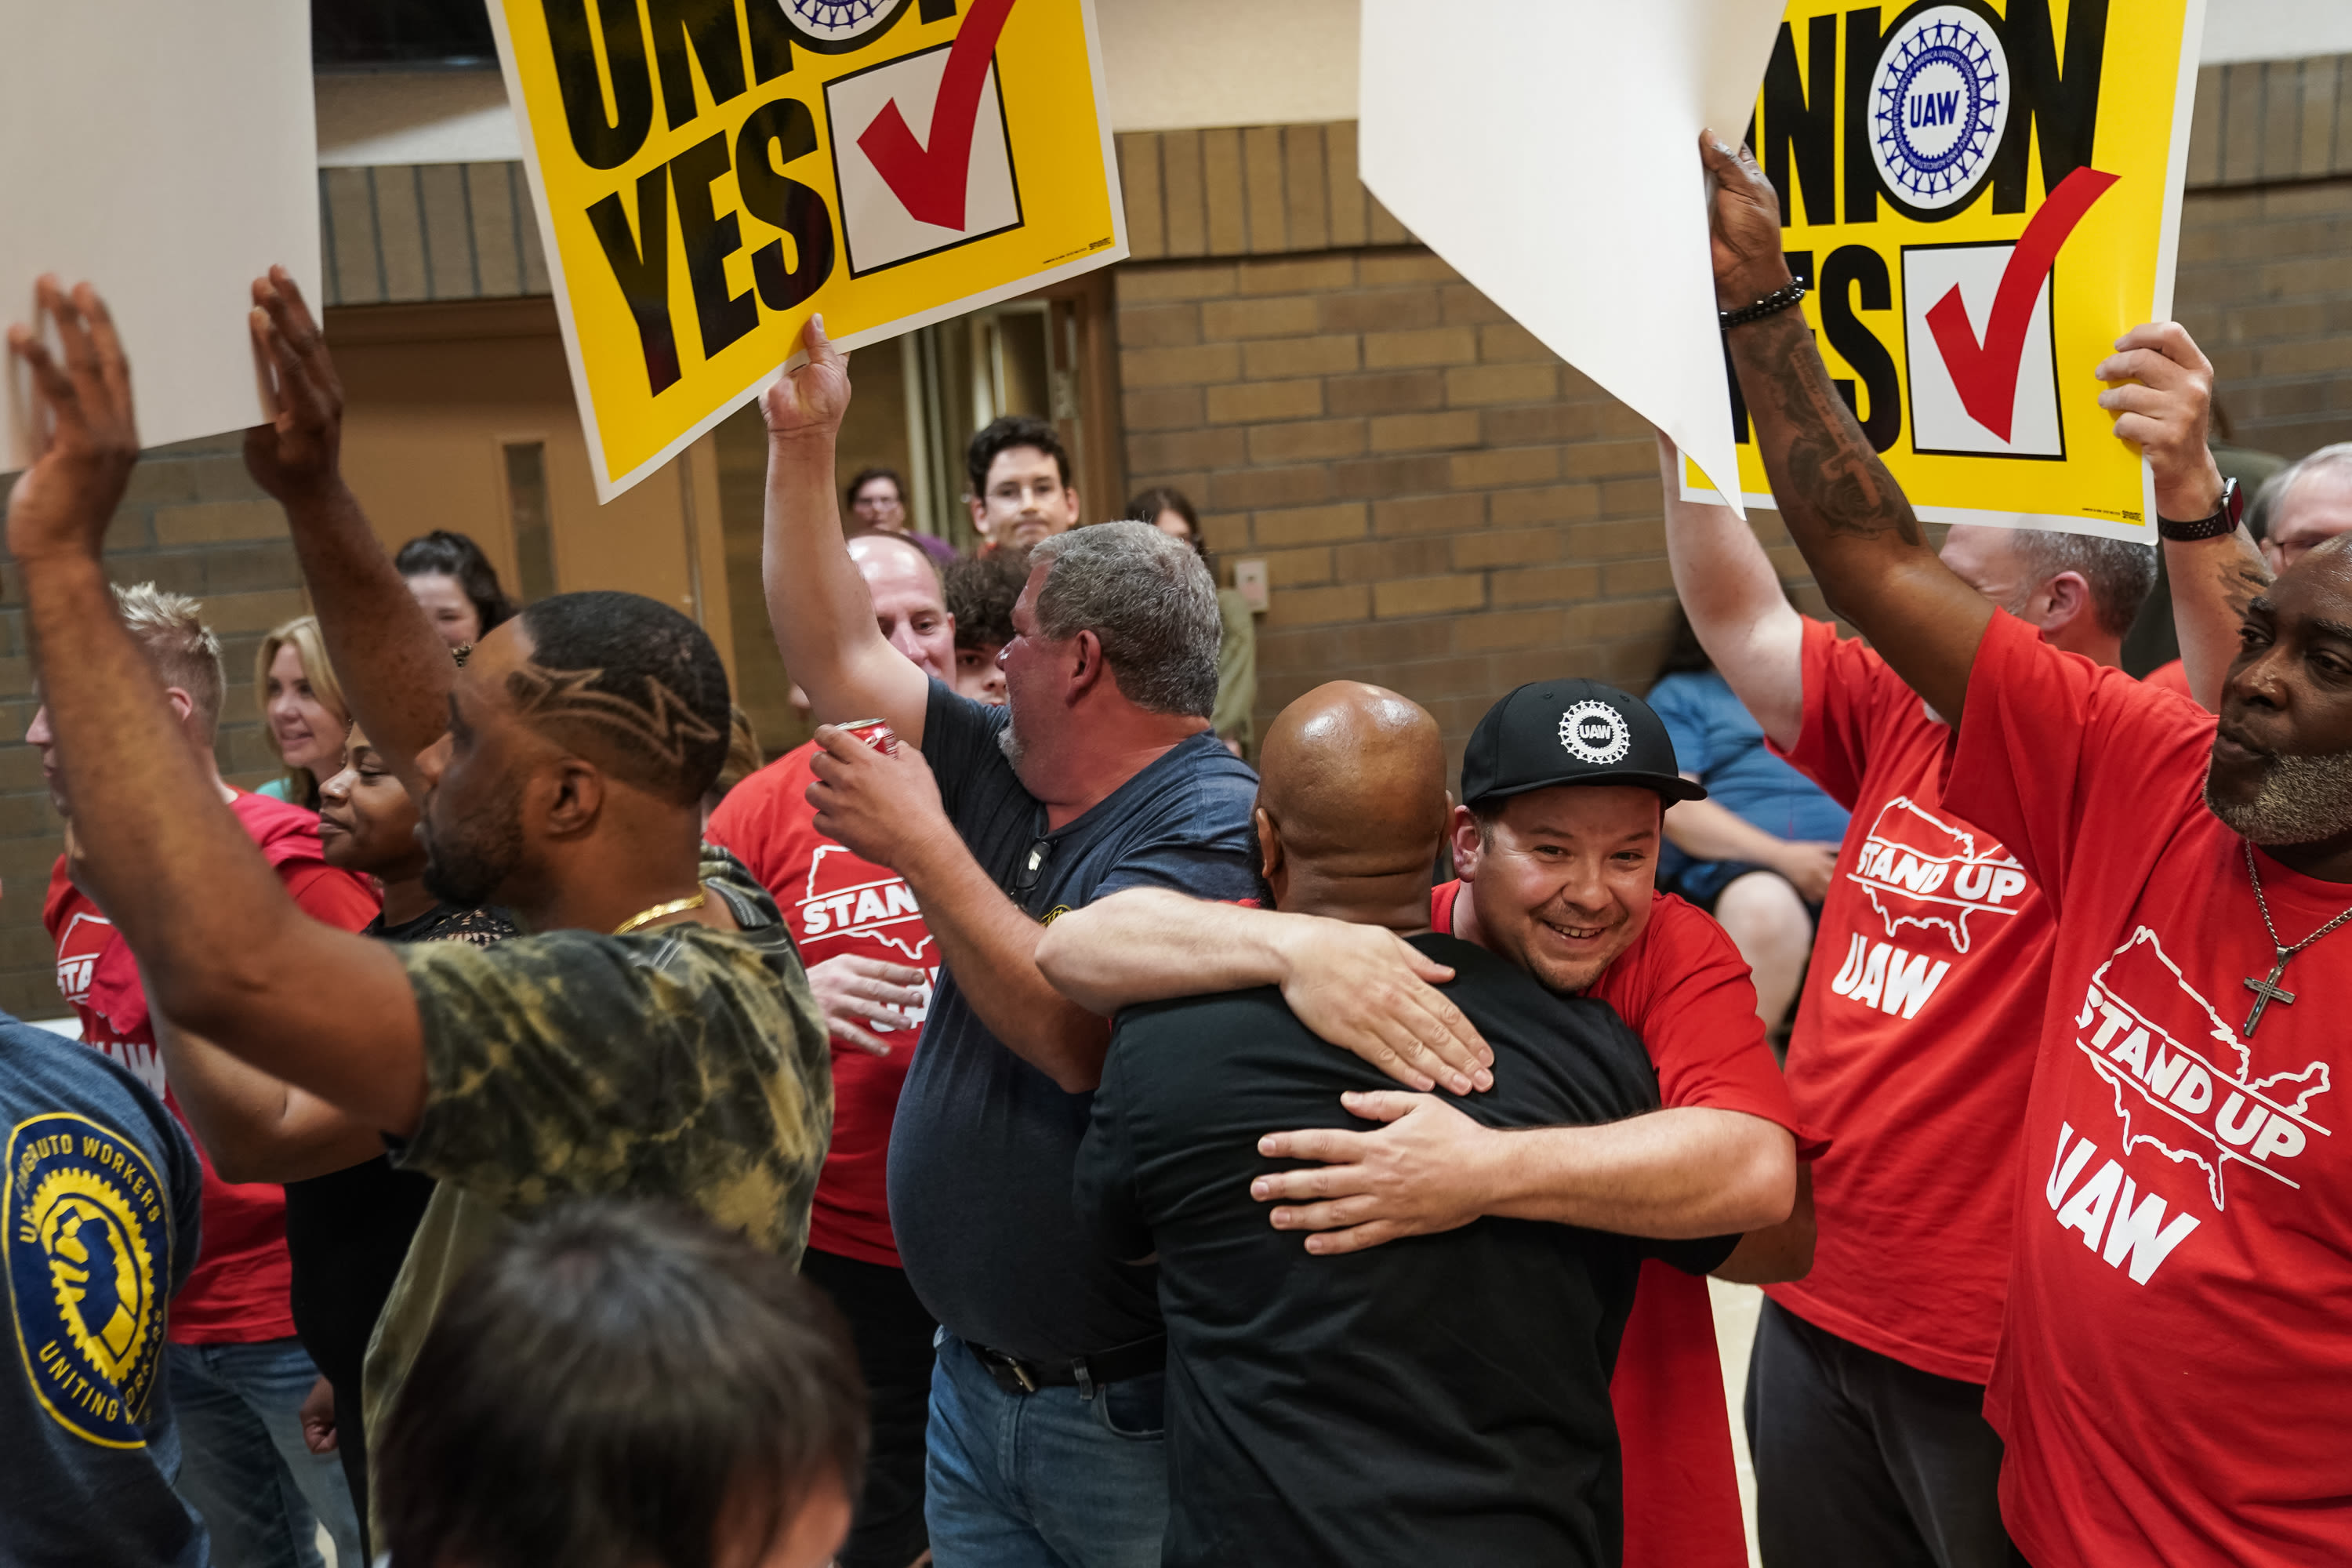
(1842, 506)
(395, 667)
(2164, 405)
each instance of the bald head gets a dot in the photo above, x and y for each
(909, 606)
(1351, 806)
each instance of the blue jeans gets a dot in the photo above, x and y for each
(245, 1469)
(1049, 1480)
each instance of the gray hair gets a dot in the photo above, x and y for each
(169, 627)
(2119, 572)
(2276, 489)
(1148, 598)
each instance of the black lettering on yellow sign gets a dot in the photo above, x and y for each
(1805, 104)
(708, 36)
(1813, 133)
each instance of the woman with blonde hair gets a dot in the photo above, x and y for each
(303, 710)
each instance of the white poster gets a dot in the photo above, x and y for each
(166, 153)
(1548, 151)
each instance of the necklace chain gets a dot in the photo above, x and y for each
(695, 900)
(2264, 904)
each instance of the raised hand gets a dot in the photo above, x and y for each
(297, 456)
(62, 504)
(811, 397)
(1743, 226)
(2165, 406)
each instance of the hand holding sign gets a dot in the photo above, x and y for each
(2164, 407)
(62, 504)
(1743, 226)
(298, 454)
(811, 397)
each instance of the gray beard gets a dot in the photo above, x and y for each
(2303, 800)
(1008, 740)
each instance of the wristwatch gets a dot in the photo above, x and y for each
(2224, 519)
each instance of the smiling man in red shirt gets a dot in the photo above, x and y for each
(2174, 1359)
(1564, 781)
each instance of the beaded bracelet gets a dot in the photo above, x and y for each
(1780, 299)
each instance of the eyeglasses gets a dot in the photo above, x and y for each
(1033, 867)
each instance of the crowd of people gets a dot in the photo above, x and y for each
(1039, 1122)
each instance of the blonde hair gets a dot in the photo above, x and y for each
(170, 630)
(301, 635)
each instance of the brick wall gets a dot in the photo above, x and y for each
(192, 523)
(2265, 286)
(1443, 506)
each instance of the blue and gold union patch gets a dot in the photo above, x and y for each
(85, 1219)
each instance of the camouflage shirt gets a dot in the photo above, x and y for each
(682, 1062)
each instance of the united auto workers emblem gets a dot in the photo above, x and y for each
(85, 1221)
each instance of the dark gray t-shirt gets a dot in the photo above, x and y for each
(985, 1144)
(99, 1227)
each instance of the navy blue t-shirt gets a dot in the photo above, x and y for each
(99, 1225)
(985, 1144)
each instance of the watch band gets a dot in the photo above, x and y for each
(2224, 519)
(1780, 299)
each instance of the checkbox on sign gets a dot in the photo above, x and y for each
(1946, 416)
(915, 178)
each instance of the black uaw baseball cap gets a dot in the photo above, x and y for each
(1571, 733)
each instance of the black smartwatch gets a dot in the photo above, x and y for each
(2224, 519)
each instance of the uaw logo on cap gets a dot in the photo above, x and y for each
(84, 1219)
(1595, 732)
(1938, 104)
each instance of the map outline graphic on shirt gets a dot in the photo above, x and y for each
(74, 974)
(892, 912)
(2168, 1082)
(1921, 877)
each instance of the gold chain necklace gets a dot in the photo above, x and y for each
(643, 918)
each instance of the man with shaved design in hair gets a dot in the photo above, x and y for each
(1445, 1398)
(653, 1036)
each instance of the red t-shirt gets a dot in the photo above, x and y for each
(237, 1293)
(2175, 1375)
(836, 903)
(1684, 988)
(2173, 676)
(1914, 1044)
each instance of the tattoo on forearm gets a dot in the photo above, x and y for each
(2245, 584)
(1831, 465)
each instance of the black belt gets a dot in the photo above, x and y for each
(1138, 1358)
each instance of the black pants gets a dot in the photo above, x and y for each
(1865, 1462)
(892, 1335)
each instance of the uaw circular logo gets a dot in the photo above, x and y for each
(1595, 732)
(85, 1217)
(836, 27)
(1938, 104)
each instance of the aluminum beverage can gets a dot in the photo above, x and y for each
(874, 732)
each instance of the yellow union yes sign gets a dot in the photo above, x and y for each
(709, 173)
(1984, 197)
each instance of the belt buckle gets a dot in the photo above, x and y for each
(1007, 1371)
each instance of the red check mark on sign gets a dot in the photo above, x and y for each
(931, 180)
(1985, 375)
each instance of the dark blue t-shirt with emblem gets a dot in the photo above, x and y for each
(984, 1145)
(99, 1201)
